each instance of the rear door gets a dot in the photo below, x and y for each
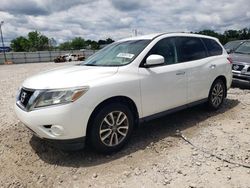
(192, 53)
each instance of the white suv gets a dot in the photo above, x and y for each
(129, 81)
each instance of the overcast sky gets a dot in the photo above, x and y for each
(100, 19)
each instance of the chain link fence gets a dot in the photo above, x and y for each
(40, 56)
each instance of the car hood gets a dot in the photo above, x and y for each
(70, 76)
(242, 58)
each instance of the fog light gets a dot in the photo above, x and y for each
(56, 130)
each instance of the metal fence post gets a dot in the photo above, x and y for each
(25, 58)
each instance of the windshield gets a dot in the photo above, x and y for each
(117, 54)
(232, 45)
(243, 48)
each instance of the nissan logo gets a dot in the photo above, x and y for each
(236, 67)
(23, 96)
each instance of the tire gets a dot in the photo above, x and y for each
(217, 94)
(70, 60)
(111, 128)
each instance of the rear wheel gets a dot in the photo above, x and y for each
(217, 94)
(111, 128)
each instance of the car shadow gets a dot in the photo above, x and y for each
(147, 133)
(240, 84)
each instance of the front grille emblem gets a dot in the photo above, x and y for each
(236, 67)
(23, 96)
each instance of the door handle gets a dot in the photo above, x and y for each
(212, 66)
(180, 73)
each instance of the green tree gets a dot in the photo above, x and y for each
(231, 34)
(37, 41)
(94, 45)
(52, 43)
(65, 46)
(20, 44)
(104, 42)
(109, 41)
(78, 43)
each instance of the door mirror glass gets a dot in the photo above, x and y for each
(154, 60)
(229, 51)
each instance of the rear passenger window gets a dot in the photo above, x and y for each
(213, 47)
(165, 48)
(190, 48)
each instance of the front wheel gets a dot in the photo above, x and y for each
(217, 94)
(112, 126)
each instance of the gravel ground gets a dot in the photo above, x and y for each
(155, 157)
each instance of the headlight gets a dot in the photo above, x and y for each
(60, 96)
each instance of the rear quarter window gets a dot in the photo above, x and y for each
(213, 47)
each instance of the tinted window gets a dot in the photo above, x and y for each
(244, 48)
(213, 47)
(165, 48)
(189, 49)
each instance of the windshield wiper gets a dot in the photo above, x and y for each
(90, 65)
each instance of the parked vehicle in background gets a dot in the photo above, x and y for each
(241, 62)
(5, 49)
(233, 45)
(60, 59)
(71, 57)
(129, 81)
(80, 57)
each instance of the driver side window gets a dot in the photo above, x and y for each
(165, 48)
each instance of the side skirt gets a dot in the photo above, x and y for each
(170, 111)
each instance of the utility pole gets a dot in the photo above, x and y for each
(134, 31)
(1, 23)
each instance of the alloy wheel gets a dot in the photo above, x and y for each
(114, 128)
(217, 95)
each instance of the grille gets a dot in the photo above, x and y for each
(24, 96)
(237, 67)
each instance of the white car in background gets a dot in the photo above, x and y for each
(71, 57)
(129, 81)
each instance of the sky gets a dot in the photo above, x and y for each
(99, 19)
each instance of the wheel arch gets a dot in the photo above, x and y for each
(224, 80)
(116, 99)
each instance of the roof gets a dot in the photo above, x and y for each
(155, 35)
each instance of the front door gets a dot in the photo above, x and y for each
(163, 87)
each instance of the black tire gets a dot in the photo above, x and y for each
(70, 60)
(217, 95)
(100, 128)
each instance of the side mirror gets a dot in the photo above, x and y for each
(154, 60)
(229, 51)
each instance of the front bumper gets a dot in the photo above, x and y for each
(62, 122)
(240, 76)
(68, 145)
(241, 71)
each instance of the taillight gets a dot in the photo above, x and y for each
(230, 60)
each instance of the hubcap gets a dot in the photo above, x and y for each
(217, 95)
(114, 128)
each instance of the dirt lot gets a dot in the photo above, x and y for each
(155, 157)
